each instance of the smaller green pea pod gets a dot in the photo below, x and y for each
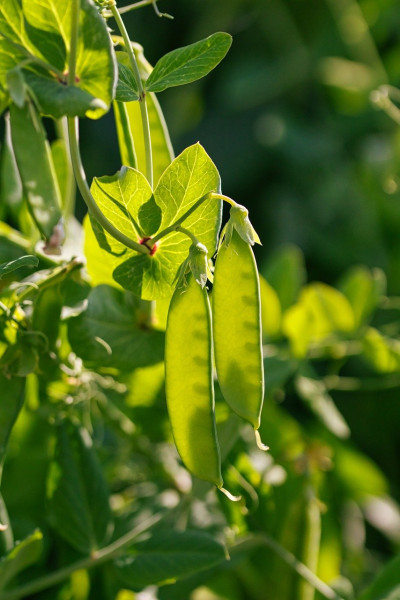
(189, 380)
(35, 166)
(236, 311)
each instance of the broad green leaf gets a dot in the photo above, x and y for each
(386, 586)
(56, 99)
(127, 89)
(22, 556)
(320, 312)
(36, 169)
(77, 492)
(188, 64)
(122, 197)
(314, 393)
(11, 401)
(108, 333)
(271, 317)
(189, 177)
(95, 66)
(285, 272)
(24, 261)
(100, 264)
(364, 289)
(130, 130)
(381, 352)
(168, 556)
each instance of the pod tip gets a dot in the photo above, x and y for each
(229, 495)
(259, 441)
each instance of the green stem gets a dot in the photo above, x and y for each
(216, 196)
(142, 93)
(126, 134)
(87, 196)
(137, 5)
(172, 228)
(300, 568)
(189, 234)
(70, 188)
(97, 558)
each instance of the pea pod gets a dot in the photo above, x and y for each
(237, 329)
(189, 382)
(35, 166)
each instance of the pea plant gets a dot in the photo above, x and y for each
(133, 347)
(154, 227)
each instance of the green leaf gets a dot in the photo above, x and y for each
(381, 352)
(386, 586)
(127, 89)
(22, 556)
(11, 401)
(24, 261)
(120, 197)
(109, 334)
(95, 65)
(168, 556)
(189, 177)
(77, 492)
(320, 312)
(36, 169)
(188, 64)
(364, 289)
(56, 99)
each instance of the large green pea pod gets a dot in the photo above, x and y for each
(35, 165)
(189, 381)
(237, 329)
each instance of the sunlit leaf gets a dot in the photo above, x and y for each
(188, 64)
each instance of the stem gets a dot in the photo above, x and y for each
(87, 196)
(216, 196)
(172, 228)
(300, 568)
(97, 558)
(70, 188)
(142, 93)
(137, 5)
(188, 233)
(126, 135)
